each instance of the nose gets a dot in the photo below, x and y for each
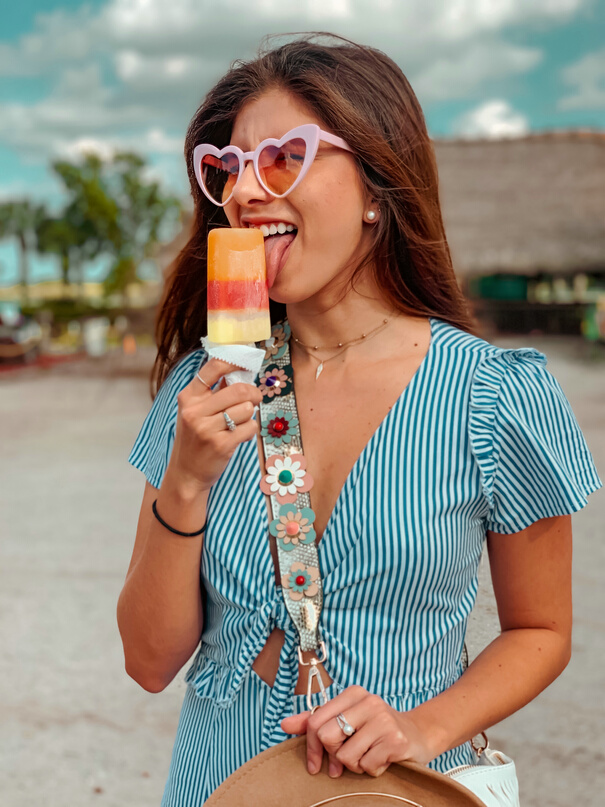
(248, 189)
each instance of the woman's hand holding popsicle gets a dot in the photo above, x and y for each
(203, 444)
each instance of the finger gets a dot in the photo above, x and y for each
(296, 724)
(247, 431)
(356, 747)
(376, 759)
(323, 729)
(335, 767)
(211, 372)
(368, 721)
(231, 396)
(239, 414)
(325, 717)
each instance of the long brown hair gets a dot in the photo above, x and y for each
(362, 96)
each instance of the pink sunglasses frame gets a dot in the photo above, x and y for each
(309, 132)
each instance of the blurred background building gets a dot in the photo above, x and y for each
(525, 219)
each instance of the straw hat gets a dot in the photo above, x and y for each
(278, 777)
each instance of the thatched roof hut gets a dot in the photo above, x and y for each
(525, 205)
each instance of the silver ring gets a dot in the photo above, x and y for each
(205, 383)
(344, 725)
(231, 424)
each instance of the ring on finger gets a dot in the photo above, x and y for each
(344, 725)
(205, 383)
(231, 424)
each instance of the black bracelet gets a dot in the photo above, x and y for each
(171, 529)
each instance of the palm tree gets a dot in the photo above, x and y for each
(20, 220)
(58, 237)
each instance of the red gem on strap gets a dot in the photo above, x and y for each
(301, 580)
(277, 427)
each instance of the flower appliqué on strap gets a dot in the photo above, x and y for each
(280, 428)
(275, 381)
(286, 477)
(301, 581)
(293, 527)
(275, 347)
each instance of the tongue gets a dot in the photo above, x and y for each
(275, 246)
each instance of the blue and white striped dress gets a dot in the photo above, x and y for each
(481, 439)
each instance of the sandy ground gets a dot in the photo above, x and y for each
(74, 729)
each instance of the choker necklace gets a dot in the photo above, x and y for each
(341, 346)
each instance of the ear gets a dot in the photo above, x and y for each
(371, 210)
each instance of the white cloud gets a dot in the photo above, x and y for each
(587, 80)
(205, 29)
(152, 141)
(460, 74)
(493, 119)
(468, 17)
(75, 149)
(79, 107)
(134, 71)
(140, 73)
(58, 39)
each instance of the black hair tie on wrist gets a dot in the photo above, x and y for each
(171, 529)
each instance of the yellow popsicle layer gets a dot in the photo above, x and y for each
(232, 329)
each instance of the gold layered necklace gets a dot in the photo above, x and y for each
(340, 347)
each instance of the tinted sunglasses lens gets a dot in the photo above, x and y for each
(280, 167)
(219, 175)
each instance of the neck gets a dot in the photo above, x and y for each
(341, 319)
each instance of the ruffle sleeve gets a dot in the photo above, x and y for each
(533, 458)
(152, 448)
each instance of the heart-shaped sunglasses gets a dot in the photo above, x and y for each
(279, 165)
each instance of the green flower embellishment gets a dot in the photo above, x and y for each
(293, 527)
(275, 380)
(280, 428)
(301, 581)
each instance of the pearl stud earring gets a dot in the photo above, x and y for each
(370, 215)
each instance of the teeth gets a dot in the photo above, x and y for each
(272, 229)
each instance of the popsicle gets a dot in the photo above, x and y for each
(238, 299)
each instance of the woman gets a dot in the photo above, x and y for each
(423, 441)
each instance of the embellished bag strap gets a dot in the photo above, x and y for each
(287, 483)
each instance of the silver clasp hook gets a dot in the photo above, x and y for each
(314, 674)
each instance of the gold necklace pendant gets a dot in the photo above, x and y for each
(319, 370)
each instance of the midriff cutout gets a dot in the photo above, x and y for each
(266, 664)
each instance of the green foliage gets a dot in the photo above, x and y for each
(20, 220)
(67, 310)
(61, 237)
(118, 211)
(113, 209)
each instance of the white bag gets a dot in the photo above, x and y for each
(493, 779)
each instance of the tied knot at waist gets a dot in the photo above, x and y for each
(212, 673)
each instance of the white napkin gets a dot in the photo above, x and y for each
(247, 358)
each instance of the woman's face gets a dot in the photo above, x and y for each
(326, 208)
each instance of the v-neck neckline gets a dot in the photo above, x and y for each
(362, 458)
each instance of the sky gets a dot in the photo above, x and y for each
(113, 74)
